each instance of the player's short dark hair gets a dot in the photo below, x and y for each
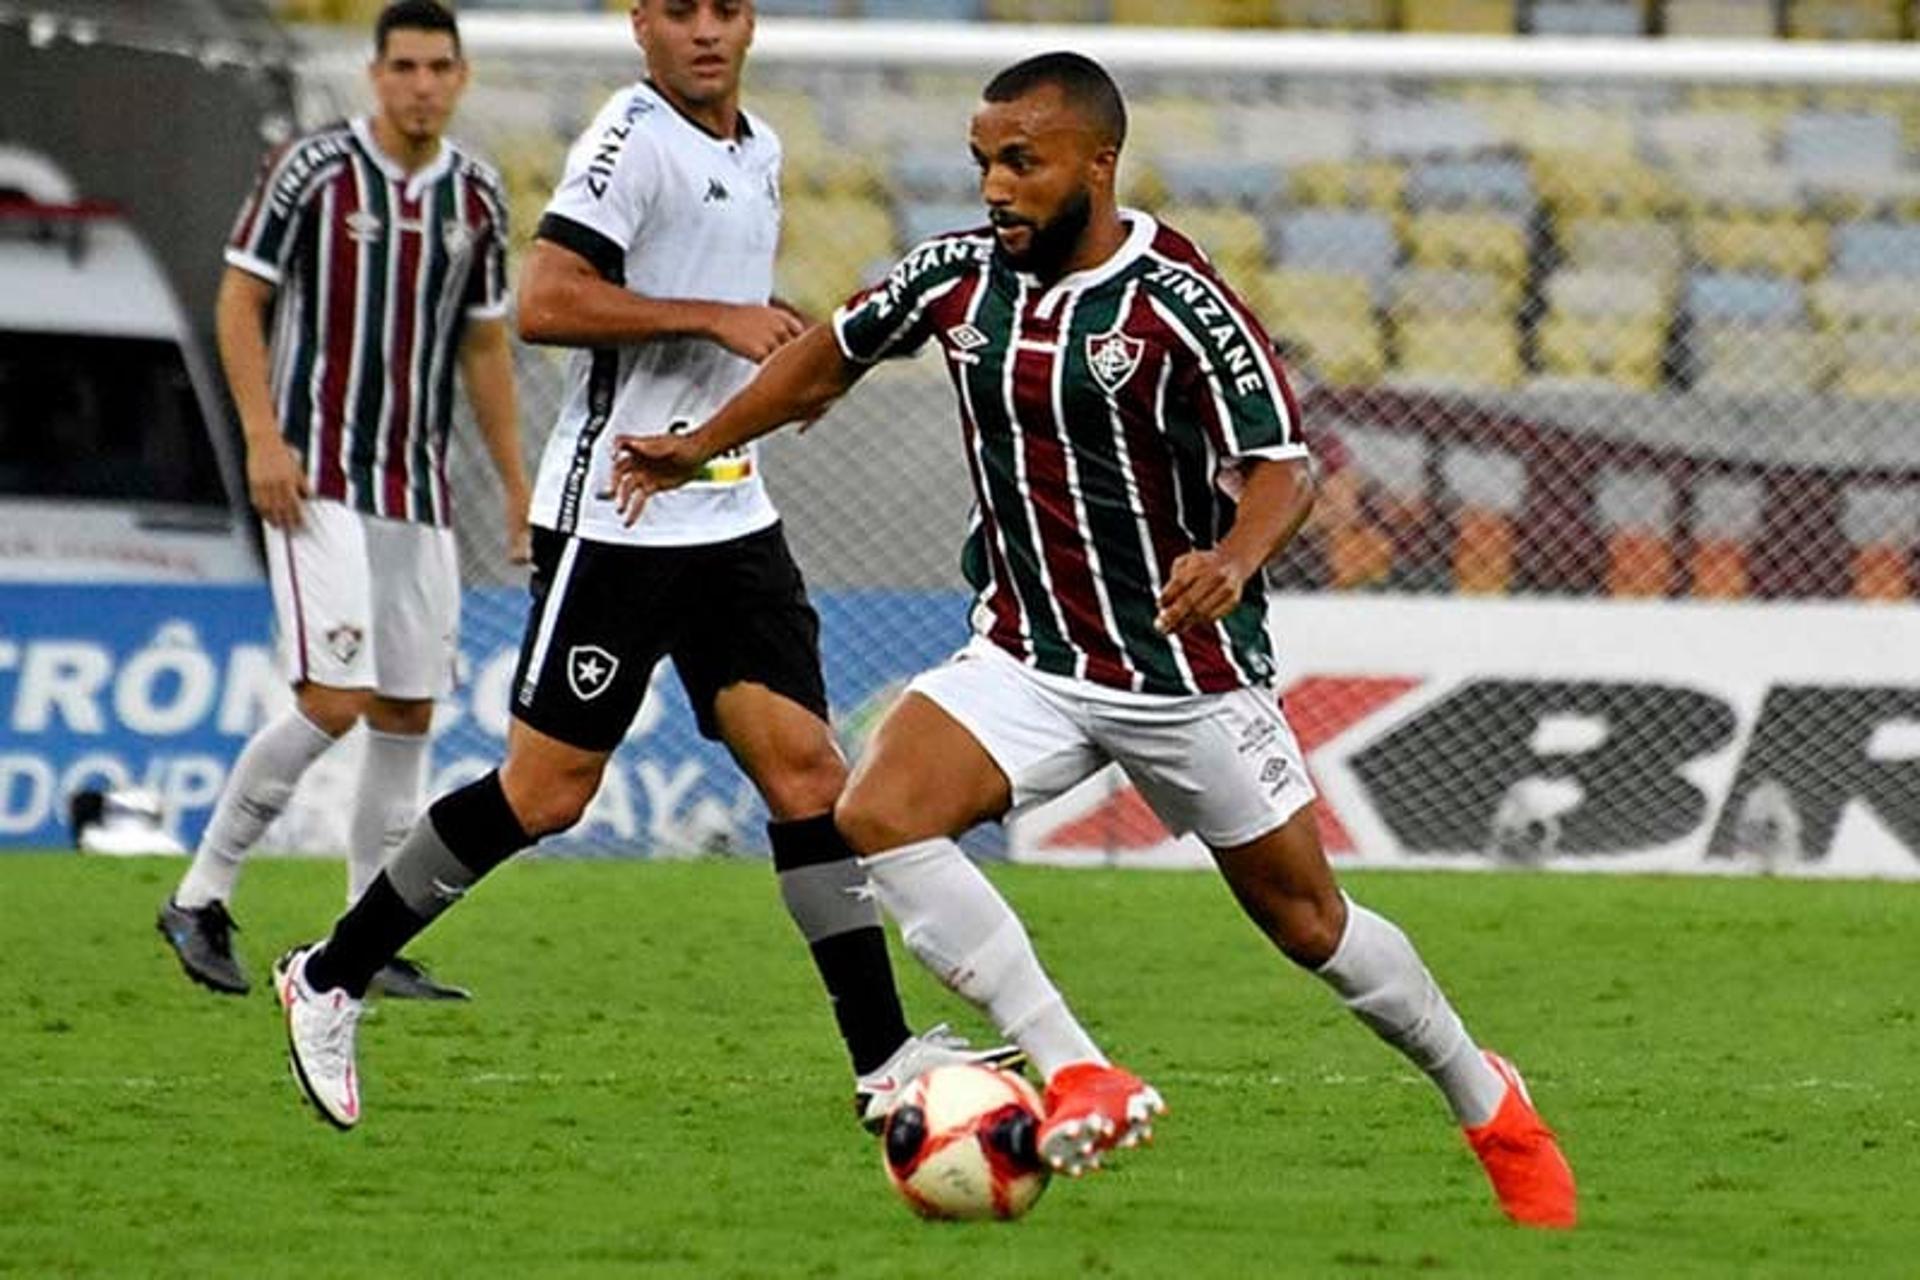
(1083, 82)
(414, 15)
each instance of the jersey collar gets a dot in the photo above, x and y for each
(1141, 229)
(414, 182)
(743, 128)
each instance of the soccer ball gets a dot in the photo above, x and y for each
(960, 1144)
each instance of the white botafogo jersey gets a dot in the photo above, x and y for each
(659, 204)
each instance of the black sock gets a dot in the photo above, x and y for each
(843, 931)
(464, 835)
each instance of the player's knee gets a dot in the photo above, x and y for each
(806, 783)
(1308, 929)
(871, 823)
(551, 802)
(333, 711)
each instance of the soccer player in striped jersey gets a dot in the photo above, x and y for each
(1136, 458)
(655, 262)
(367, 267)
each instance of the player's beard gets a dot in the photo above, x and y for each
(1051, 244)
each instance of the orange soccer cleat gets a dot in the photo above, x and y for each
(1522, 1159)
(1091, 1109)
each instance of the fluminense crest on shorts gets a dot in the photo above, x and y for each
(590, 671)
(344, 642)
(1113, 356)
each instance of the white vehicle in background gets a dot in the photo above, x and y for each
(113, 463)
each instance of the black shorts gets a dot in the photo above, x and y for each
(605, 613)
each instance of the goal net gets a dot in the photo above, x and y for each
(1606, 350)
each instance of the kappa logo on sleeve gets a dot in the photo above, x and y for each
(590, 671)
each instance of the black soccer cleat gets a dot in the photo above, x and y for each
(203, 939)
(403, 979)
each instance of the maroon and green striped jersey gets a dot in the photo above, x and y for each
(376, 273)
(1104, 417)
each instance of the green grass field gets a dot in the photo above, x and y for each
(649, 1084)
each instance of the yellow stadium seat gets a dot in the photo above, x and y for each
(828, 247)
(1233, 238)
(1771, 104)
(1845, 305)
(1343, 350)
(1590, 132)
(1459, 353)
(1637, 245)
(1460, 17)
(1749, 18)
(1169, 123)
(1845, 20)
(1431, 291)
(1335, 15)
(1193, 13)
(1467, 241)
(1610, 292)
(1878, 364)
(1374, 184)
(1581, 184)
(1777, 246)
(1045, 10)
(1609, 349)
(1284, 293)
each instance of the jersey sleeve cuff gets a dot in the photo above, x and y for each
(1275, 453)
(840, 339)
(253, 266)
(606, 257)
(489, 310)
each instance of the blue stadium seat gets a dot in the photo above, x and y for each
(919, 221)
(1501, 183)
(943, 174)
(1744, 297)
(1350, 241)
(1591, 18)
(1866, 249)
(922, 10)
(1221, 179)
(1819, 141)
(799, 8)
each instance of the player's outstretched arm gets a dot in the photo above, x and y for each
(566, 301)
(796, 385)
(276, 482)
(486, 366)
(1205, 585)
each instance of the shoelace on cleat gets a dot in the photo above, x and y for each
(218, 926)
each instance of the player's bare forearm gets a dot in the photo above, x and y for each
(486, 366)
(564, 301)
(796, 384)
(240, 324)
(1205, 586)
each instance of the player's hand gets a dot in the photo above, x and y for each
(646, 465)
(276, 482)
(756, 332)
(519, 529)
(1203, 588)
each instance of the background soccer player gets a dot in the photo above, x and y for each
(1136, 458)
(655, 258)
(374, 250)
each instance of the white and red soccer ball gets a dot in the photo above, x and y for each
(960, 1144)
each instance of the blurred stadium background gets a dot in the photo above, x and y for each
(1604, 318)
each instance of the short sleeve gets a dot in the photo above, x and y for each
(1249, 408)
(600, 208)
(487, 283)
(893, 317)
(268, 228)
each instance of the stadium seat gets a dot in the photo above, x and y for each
(1045, 10)
(1866, 250)
(1335, 15)
(1878, 364)
(1583, 184)
(1340, 349)
(1468, 241)
(933, 174)
(1881, 572)
(1822, 141)
(1726, 513)
(793, 8)
(1639, 246)
(922, 10)
(1191, 13)
(1501, 183)
(1882, 523)
(1600, 291)
(1769, 359)
(1432, 128)
(1483, 547)
(1350, 241)
(1640, 564)
(1706, 189)
(829, 247)
(1585, 349)
(1707, 139)
(1775, 246)
(1460, 17)
(1289, 135)
(1741, 298)
(1845, 304)
(1374, 184)
(1585, 129)
(1487, 490)
(1232, 238)
(1751, 18)
(1843, 20)
(1717, 569)
(1219, 178)
(1166, 123)
(1434, 291)
(1587, 18)
(923, 220)
(1635, 511)
(1458, 353)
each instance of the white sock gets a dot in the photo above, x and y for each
(259, 787)
(386, 803)
(1381, 978)
(960, 927)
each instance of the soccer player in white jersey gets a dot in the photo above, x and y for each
(374, 252)
(655, 259)
(1136, 458)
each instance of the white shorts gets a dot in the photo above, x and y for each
(363, 602)
(1224, 766)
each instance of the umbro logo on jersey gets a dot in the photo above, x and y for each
(716, 192)
(1113, 357)
(590, 671)
(966, 337)
(455, 237)
(362, 227)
